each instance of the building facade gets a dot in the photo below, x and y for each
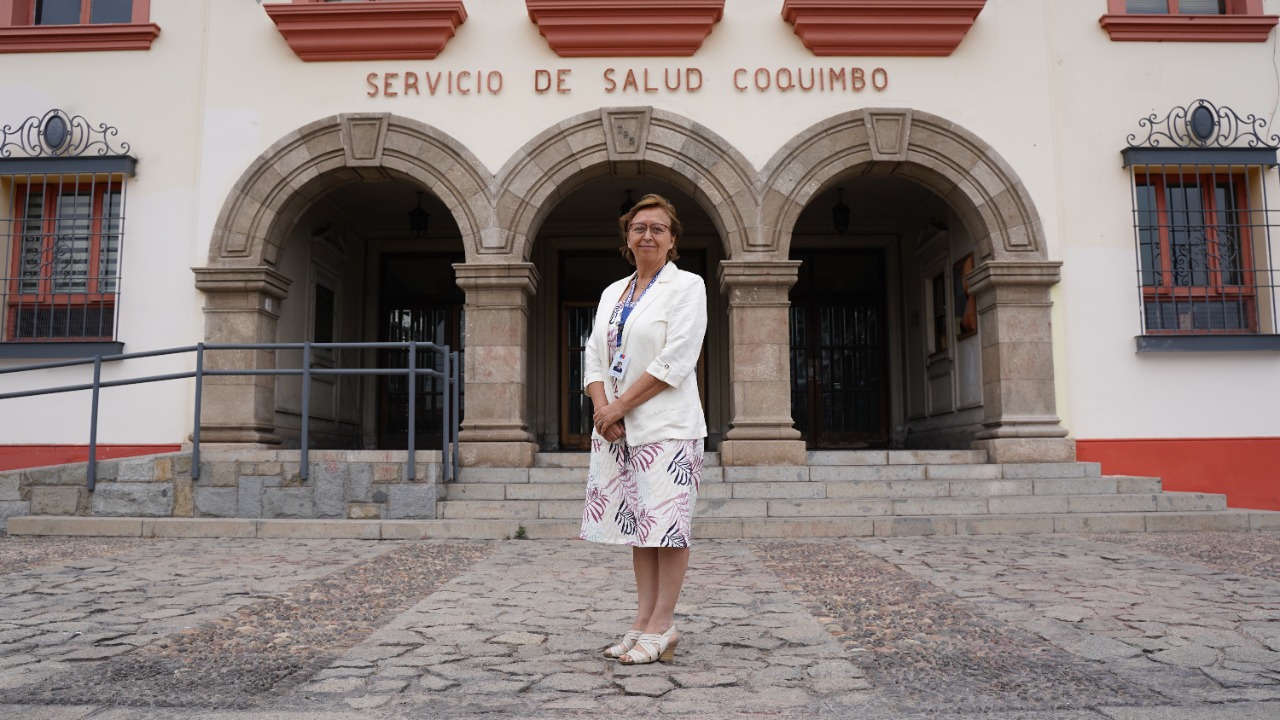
(1042, 229)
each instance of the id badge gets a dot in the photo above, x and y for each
(619, 367)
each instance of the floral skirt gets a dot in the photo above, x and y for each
(642, 495)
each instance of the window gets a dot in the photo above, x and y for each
(1195, 252)
(1202, 230)
(65, 259)
(1176, 7)
(82, 12)
(1187, 21)
(75, 25)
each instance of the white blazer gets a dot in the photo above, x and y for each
(663, 337)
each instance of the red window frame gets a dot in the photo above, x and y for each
(20, 34)
(1244, 21)
(1165, 288)
(99, 290)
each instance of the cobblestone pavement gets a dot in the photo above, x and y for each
(1167, 627)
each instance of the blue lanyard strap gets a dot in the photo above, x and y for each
(628, 304)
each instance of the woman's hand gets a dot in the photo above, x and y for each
(608, 414)
(614, 432)
(608, 420)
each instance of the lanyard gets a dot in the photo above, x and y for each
(628, 305)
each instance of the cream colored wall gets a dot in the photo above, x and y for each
(153, 98)
(1101, 90)
(1040, 81)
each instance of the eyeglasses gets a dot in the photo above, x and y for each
(656, 230)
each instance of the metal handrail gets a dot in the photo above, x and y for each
(450, 392)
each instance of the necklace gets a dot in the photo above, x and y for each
(629, 304)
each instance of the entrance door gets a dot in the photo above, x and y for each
(420, 303)
(839, 388)
(583, 276)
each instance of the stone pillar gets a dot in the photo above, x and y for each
(761, 431)
(495, 427)
(1020, 422)
(241, 306)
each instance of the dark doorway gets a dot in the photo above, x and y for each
(420, 301)
(839, 374)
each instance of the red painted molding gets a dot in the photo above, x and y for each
(77, 38)
(1243, 469)
(1189, 28)
(608, 28)
(931, 28)
(17, 457)
(409, 30)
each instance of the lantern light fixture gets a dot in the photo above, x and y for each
(418, 218)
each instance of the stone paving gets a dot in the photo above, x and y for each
(1036, 627)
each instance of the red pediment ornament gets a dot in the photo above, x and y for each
(882, 27)
(608, 28)
(408, 30)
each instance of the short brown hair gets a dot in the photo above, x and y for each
(650, 201)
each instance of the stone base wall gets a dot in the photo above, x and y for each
(234, 482)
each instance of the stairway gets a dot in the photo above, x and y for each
(857, 493)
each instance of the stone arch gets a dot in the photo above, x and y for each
(242, 285)
(625, 141)
(959, 166)
(320, 156)
(1012, 280)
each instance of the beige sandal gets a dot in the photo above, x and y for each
(652, 648)
(628, 641)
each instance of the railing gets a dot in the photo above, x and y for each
(449, 391)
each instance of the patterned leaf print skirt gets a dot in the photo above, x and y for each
(642, 495)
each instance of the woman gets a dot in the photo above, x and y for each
(646, 449)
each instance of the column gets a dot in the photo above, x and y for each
(241, 307)
(495, 427)
(1020, 421)
(761, 431)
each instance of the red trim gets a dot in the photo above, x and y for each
(1244, 22)
(608, 28)
(409, 30)
(1187, 28)
(19, 35)
(1244, 469)
(17, 457)
(931, 28)
(77, 38)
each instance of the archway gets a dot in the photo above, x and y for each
(1012, 271)
(244, 282)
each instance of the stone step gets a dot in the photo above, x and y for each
(895, 457)
(704, 529)
(867, 458)
(564, 508)
(714, 489)
(583, 459)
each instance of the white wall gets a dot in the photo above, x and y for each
(1040, 81)
(1101, 90)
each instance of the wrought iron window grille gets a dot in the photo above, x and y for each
(62, 195)
(1202, 220)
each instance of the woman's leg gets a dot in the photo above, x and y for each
(659, 578)
(645, 563)
(672, 563)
